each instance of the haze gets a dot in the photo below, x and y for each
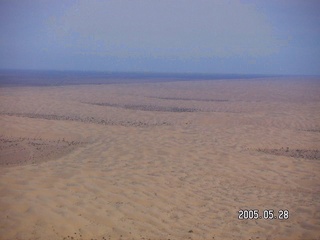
(273, 37)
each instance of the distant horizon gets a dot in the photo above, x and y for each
(44, 78)
(158, 72)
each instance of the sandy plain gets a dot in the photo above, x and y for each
(173, 160)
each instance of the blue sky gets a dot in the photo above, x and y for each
(202, 36)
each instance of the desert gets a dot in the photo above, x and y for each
(160, 159)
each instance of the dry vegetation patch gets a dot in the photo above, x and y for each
(149, 107)
(310, 130)
(22, 151)
(125, 123)
(296, 153)
(192, 99)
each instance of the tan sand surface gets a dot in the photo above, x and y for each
(174, 160)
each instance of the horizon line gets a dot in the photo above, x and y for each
(163, 73)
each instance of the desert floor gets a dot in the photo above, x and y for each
(166, 160)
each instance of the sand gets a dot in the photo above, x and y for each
(173, 160)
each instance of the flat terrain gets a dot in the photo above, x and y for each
(162, 160)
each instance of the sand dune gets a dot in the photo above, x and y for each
(150, 174)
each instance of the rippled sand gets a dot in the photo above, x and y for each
(174, 160)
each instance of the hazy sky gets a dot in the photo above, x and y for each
(268, 37)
